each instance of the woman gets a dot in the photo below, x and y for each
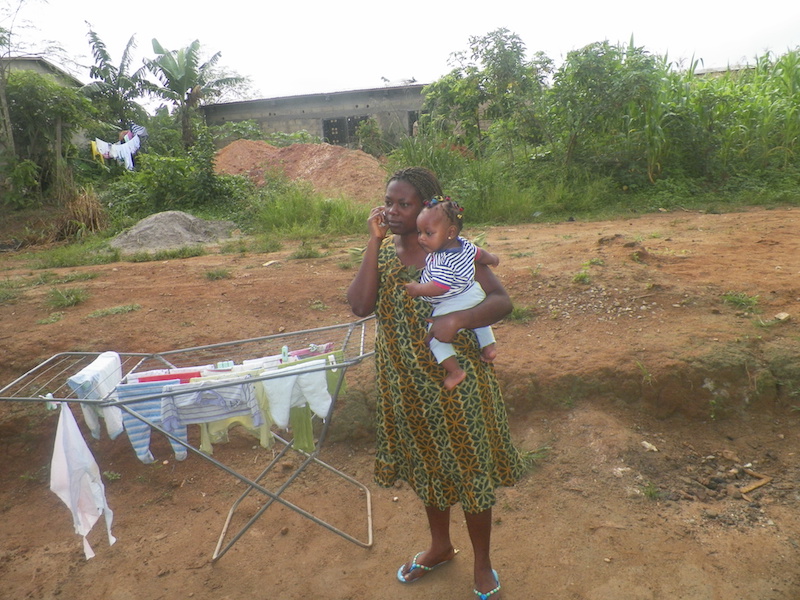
(450, 445)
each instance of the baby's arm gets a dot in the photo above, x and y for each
(425, 289)
(487, 258)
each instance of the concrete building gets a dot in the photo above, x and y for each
(333, 117)
(42, 66)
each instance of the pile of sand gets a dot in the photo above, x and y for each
(169, 230)
(332, 170)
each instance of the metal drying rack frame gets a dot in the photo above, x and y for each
(47, 382)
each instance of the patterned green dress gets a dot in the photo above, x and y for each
(450, 446)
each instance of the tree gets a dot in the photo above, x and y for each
(44, 116)
(185, 82)
(114, 85)
(493, 85)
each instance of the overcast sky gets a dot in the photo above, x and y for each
(292, 47)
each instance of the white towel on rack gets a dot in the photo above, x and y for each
(97, 381)
(290, 390)
(75, 478)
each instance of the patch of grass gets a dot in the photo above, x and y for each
(76, 255)
(651, 491)
(265, 244)
(594, 262)
(520, 314)
(50, 278)
(234, 247)
(521, 254)
(741, 301)
(65, 298)
(53, 318)
(112, 475)
(305, 251)
(114, 310)
(217, 274)
(582, 276)
(8, 295)
(318, 305)
(170, 254)
(531, 458)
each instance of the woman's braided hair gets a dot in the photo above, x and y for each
(423, 180)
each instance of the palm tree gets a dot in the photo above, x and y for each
(185, 82)
(115, 84)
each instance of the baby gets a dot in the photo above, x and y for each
(448, 281)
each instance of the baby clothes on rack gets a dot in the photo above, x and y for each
(301, 389)
(192, 403)
(216, 432)
(138, 431)
(97, 381)
(75, 478)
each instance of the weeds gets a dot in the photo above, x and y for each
(520, 314)
(217, 274)
(305, 251)
(57, 298)
(741, 301)
(170, 254)
(114, 310)
(53, 318)
(112, 475)
(651, 491)
(582, 276)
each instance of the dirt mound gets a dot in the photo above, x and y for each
(169, 230)
(331, 170)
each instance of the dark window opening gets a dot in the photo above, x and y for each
(341, 131)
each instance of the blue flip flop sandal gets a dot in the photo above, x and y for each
(485, 595)
(415, 565)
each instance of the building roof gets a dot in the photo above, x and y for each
(41, 65)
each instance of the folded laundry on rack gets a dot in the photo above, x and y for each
(75, 478)
(97, 381)
(139, 431)
(176, 372)
(192, 403)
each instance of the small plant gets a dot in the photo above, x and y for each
(266, 244)
(521, 254)
(582, 276)
(57, 298)
(8, 295)
(532, 458)
(741, 301)
(520, 314)
(234, 247)
(112, 475)
(594, 262)
(217, 274)
(305, 251)
(53, 318)
(114, 310)
(318, 305)
(647, 377)
(651, 491)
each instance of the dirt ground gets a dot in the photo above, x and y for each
(653, 402)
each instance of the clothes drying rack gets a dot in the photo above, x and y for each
(47, 382)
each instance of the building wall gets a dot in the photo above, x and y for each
(333, 117)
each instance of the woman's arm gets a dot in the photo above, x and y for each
(363, 291)
(494, 307)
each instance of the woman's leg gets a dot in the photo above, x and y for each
(479, 526)
(441, 548)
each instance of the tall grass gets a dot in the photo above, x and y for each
(295, 211)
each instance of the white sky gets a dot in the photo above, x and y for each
(303, 47)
